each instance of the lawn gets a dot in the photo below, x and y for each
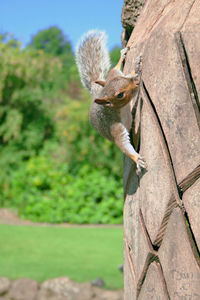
(81, 253)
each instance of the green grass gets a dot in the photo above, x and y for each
(81, 253)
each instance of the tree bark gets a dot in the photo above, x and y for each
(162, 205)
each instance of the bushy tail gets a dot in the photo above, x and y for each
(92, 58)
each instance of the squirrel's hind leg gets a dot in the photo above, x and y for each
(137, 64)
(123, 53)
(137, 68)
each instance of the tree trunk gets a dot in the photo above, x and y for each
(162, 205)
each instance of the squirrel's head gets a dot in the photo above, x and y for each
(118, 91)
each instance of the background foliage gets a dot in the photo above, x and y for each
(55, 167)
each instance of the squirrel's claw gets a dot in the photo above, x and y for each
(123, 52)
(141, 164)
(135, 74)
(138, 64)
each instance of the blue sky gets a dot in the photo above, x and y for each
(25, 18)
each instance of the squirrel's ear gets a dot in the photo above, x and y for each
(103, 101)
(100, 82)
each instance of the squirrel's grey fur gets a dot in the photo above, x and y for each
(110, 112)
(96, 65)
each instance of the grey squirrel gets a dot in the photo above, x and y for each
(110, 113)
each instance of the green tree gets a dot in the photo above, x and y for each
(9, 40)
(52, 41)
(54, 163)
(115, 55)
(26, 76)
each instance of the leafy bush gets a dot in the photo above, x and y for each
(56, 167)
(25, 76)
(82, 144)
(115, 56)
(48, 193)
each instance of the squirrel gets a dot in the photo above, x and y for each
(110, 113)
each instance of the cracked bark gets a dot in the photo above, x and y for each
(188, 76)
(162, 208)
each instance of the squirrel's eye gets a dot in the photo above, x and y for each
(120, 95)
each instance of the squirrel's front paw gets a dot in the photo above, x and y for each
(141, 164)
